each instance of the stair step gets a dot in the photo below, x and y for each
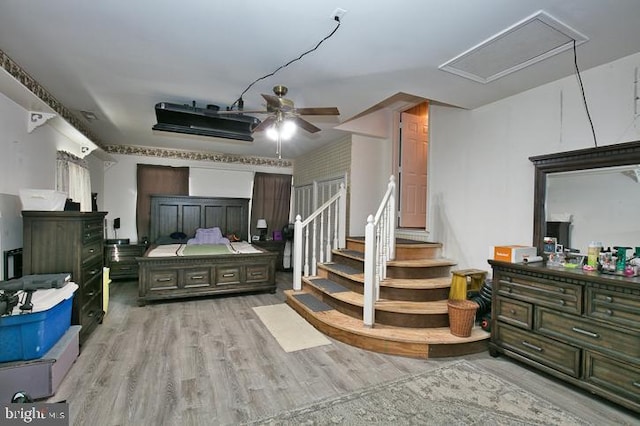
(312, 303)
(417, 283)
(344, 270)
(421, 263)
(405, 248)
(328, 286)
(401, 313)
(412, 342)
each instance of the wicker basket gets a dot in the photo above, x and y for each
(462, 315)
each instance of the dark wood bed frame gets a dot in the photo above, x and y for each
(163, 278)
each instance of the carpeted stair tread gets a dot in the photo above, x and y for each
(311, 302)
(328, 286)
(341, 268)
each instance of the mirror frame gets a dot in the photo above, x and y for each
(623, 154)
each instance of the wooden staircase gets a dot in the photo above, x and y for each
(411, 317)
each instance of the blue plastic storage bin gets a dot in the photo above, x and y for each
(30, 336)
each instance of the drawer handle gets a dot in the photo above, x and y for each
(562, 290)
(531, 346)
(93, 272)
(164, 280)
(255, 274)
(512, 311)
(90, 314)
(562, 302)
(197, 277)
(92, 250)
(636, 384)
(91, 293)
(608, 299)
(228, 275)
(608, 312)
(585, 332)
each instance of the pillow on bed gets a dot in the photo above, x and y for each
(167, 239)
(178, 235)
(208, 236)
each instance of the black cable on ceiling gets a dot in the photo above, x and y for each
(584, 98)
(240, 101)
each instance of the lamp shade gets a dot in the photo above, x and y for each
(262, 224)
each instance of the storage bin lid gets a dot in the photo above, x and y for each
(43, 300)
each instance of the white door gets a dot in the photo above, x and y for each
(413, 170)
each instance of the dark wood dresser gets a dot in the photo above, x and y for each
(582, 327)
(72, 242)
(121, 260)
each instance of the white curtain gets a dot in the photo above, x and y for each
(73, 178)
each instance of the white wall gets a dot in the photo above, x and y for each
(481, 181)
(370, 171)
(206, 179)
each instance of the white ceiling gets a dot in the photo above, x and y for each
(119, 58)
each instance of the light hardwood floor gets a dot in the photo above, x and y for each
(211, 362)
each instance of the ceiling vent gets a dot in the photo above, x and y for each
(531, 40)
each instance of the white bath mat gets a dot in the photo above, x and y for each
(290, 330)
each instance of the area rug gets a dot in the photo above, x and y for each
(289, 329)
(458, 393)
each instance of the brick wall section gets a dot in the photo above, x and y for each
(328, 161)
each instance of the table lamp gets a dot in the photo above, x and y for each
(262, 226)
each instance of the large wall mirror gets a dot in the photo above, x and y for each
(594, 192)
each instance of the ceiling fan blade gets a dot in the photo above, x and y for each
(264, 125)
(272, 101)
(318, 111)
(301, 122)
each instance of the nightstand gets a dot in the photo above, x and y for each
(275, 246)
(121, 260)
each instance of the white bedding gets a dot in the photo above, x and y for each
(171, 250)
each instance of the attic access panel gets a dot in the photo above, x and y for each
(525, 43)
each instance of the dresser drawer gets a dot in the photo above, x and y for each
(197, 277)
(124, 269)
(557, 355)
(91, 310)
(514, 312)
(92, 231)
(615, 341)
(620, 378)
(90, 272)
(616, 307)
(257, 273)
(562, 296)
(91, 250)
(226, 275)
(163, 279)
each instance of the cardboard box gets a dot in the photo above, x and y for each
(513, 253)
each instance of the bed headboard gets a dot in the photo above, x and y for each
(177, 213)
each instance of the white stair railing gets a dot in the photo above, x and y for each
(379, 247)
(324, 230)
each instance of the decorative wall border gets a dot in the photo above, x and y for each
(32, 85)
(197, 156)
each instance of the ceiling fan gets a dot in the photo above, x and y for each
(281, 110)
